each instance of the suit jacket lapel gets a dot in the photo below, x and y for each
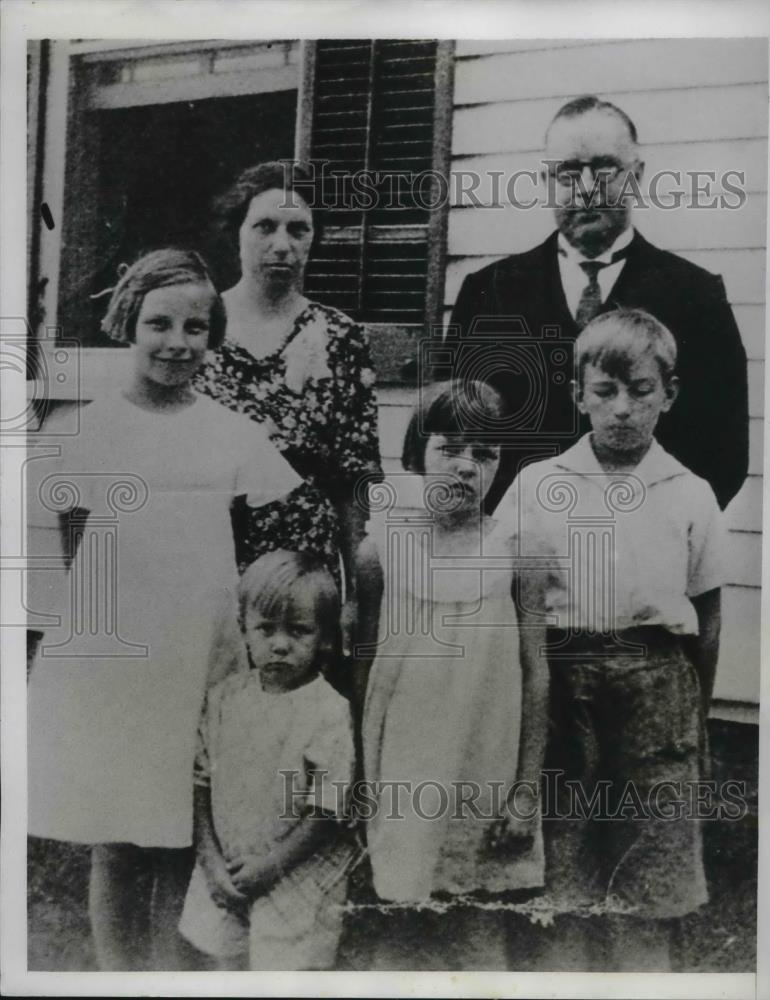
(636, 278)
(532, 288)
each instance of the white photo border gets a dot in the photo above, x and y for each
(188, 19)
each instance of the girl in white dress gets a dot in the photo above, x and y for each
(113, 709)
(455, 708)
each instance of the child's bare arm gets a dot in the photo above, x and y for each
(534, 677)
(529, 599)
(352, 524)
(369, 590)
(704, 648)
(254, 874)
(523, 809)
(209, 852)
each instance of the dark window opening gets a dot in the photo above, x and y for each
(146, 177)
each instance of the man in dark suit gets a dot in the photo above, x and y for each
(514, 322)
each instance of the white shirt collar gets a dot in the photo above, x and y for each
(656, 465)
(574, 255)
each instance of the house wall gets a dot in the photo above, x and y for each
(698, 105)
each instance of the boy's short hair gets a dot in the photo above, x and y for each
(615, 340)
(265, 587)
(460, 408)
(160, 269)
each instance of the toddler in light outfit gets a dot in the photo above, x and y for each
(274, 763)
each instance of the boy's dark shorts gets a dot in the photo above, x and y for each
(628, 728)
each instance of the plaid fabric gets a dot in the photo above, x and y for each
(297, 925)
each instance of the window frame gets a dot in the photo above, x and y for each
(59, 99)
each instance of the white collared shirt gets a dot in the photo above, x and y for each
(618, 550)
(573, 277)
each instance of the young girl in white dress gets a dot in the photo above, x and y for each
(455, 708)
(113, 710)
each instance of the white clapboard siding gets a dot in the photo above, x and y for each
(515, 168)
(698, 105)
(751, 323)
(756, 445)
(745, 510)
(738, 674)
(646, 65)
(756, 388)
(747, 157)
(660, 116)
(744, 559)
(491, 46)
(505, 229)
(742, 272)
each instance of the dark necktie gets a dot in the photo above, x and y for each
(591, 297)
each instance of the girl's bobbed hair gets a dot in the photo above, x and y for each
(291, 177)
(464, 409)
(267, 584)
(159, 269)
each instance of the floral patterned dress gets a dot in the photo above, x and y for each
(318, 392)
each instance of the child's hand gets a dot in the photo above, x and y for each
(252, 875)
(223, 891)
(514, 832)
(509, 835)
(348, 625)
(281, 828)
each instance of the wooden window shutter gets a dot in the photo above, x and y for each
(378, 121)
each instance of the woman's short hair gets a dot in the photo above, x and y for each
(231, 207)
(615, 340)
(266, 587)
(461, 408)
(160, 269)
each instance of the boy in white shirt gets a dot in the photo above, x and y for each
(628, 541)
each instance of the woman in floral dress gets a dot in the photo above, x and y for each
(301, 367)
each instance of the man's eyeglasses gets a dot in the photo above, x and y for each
(570, 172)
